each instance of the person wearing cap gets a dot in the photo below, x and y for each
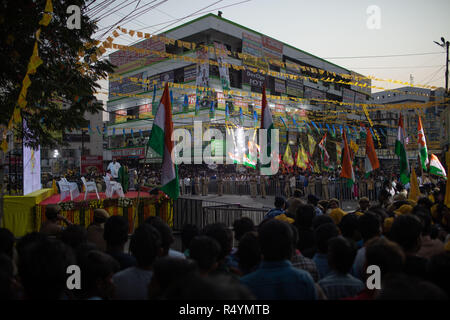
(336, 214)
(280, 206)
(51, 226)
(364, 204)
(96, 229)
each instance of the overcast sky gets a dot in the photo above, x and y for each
(330, 28)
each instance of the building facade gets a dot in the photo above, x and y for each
(234, 99)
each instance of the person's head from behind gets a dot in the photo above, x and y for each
(6, 242)
(324, 233)
(385, 254)
(223, 235)
(297, 193)
(280, 203)
(74, 235)
(369, 226)
(242, 226)
(438, 271)
(195, 287)
(52, 211)
(304, 216)
(276, 240)
(42, 268)
(403, 287)
(384, 196)
(100, 216)
(320, 220)
(364, 203)
(8, 287)
(116, 232)
(249, 252)
(312, 199)
(166, 271)
(341, 254)
(188, 232)
(349, 227)
(406, 231)
(165, 232)
(97, 269)
(425, 219)
(205, 251)
(145, 246)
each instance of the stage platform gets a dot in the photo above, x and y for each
(27, 213)
(55, 199)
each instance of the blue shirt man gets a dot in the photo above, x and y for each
(280, 205)
(276, 278)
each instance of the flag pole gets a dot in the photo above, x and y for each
(139, 190)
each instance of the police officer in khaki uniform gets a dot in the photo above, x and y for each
(253, 189)
(205, 182)
(219, 185)
(263, 186)
(197, 185)
(325, 193)
(287, 189)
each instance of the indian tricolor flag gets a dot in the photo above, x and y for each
(266, 123)
(436, 167)
(371, 162)
(161, 142)
(400, 151)
(423, 151)
(347, 168)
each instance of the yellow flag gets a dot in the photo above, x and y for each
(447, 190)
(16, 115)
(48, 6)
(54, 188)
(414, 188)
(354, 146)
(4, 145)
(46, 18)
(287, 158)
(302, 158)
(312, 144)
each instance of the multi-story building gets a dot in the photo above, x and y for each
(82, 142)
(430, 114)
(138, 73)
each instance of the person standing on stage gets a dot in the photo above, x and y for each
(114, 166)
(325, 193)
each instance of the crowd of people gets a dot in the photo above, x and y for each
(306, 248)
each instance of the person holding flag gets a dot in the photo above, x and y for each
(347, 168)
(423, 151)
(161, 142)
(371, 162)
(325, 156)
(400, 151)
(267, 123)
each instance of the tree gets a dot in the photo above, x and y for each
(61, 75)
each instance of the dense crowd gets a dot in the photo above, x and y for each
(304, 249)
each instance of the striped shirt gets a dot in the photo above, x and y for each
(338, 286)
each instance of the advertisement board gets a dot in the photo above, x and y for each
(91, 164)
(125, 85)
(121, 116)
(294, 87)
(128, 153)
(348, 96)
(31, 167)
(145, 111)
(126, 60)
(190, 73)
(202, 69)
(221, 56)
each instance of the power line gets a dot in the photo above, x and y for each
(386, 56)
(402, 67)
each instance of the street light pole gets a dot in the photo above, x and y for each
(445, 45)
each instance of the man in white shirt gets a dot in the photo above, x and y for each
(114, 167)
(187, 185)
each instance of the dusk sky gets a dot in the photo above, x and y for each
(330, 29)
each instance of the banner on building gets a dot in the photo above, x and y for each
(190, 73)
(294, 87)
(202, 69)
(126, 60)
(31, 166)
(223, 69)
(145, 111)
(280, 85)
(121, 116)
(126, 86)
(272, 49)
(348, 96)
(91, 165)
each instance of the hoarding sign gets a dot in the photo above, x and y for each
(91, 164)
(31, 167)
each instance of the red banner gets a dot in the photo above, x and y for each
(91, 164)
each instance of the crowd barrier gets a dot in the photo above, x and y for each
(333, 189)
